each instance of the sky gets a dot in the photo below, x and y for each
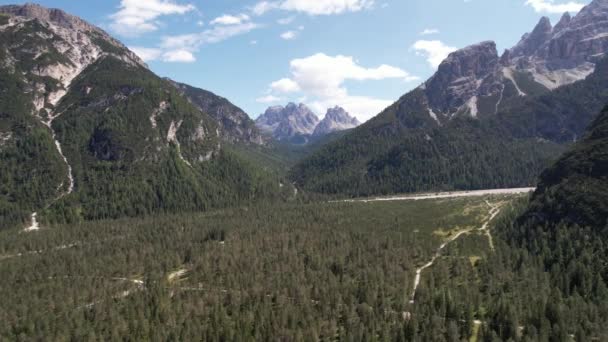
(359, 54)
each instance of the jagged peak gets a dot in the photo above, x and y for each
(594, 9)
(339, 113)
(66, 21)
(486, 47)
(54, 15)
(544, 24)
(563, 22)
(531, 42)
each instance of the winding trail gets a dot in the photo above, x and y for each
(494, 210)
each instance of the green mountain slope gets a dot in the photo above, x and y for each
(561, 240)
(403, 149)
(90, 132)
(574, 190)
(137, 146)
(234, 124)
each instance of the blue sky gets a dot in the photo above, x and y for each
(360, 54)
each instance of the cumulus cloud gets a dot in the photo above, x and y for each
(284, 85)
(289, 35)
(317, 7)
(147, 54)
(322, 77)
(264, 6)
(156, 54)
(435, 51)
(135, 17)
(179, 56)
(549, 6)
(230, 19)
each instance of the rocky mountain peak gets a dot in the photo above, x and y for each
(233, 123)
(53, 15)
(459, 77)
(284, 123)
(534, 40)
(563, 23)
(336, 119)
(70, 28)
(471, 60)
(69, 43)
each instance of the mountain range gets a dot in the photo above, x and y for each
(482, 120)
(298, 124)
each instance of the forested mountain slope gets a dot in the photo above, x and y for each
(482, 120)
(562, 237)
(234, 124)
(87, 131)
(574, 190)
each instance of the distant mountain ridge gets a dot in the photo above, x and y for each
(298, 124)
(336, 119)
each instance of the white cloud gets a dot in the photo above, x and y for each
(193, 41)
(230, 19)
(181, 48)
(147, 54)
(268, 99)
(435, 51)
(289, 35)
(322, 78)
(285, 85)
(253, 42)
(155, 54)
(264, 6)
(200, 23)
(179, 56)
(313, 7)
(429, 31)
(135, 17)
(326, 7)
(549, 6)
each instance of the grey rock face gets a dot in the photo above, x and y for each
(475, 81)
(460, 76)
(284, 123)
(63, 23)
(531, 42)
(563, 23)
(336, 119)
(70, 44)
(234, 124)
(584, 39)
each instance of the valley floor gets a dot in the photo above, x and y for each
(345, 270)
